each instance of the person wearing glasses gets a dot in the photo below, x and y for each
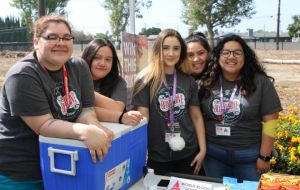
(240, 108)
(46, 93)
(110, 88)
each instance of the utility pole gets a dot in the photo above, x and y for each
(278, 26)
(132, 16)
(41, 8)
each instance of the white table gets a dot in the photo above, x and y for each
(139, 184)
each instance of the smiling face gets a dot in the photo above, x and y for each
(50, 53)
(171, 53)
(102, 63)
(197, 57)
(231, 60)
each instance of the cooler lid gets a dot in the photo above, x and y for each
(118, 130)
(121, 129)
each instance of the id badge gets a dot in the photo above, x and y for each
(222, 130)
(169, 136)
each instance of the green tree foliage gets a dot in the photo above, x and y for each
(150, 31)
(12, 31)
(101, 35)
(80, 36)
(216, 13)
(294, 28)
(119, 13)
(29, 9)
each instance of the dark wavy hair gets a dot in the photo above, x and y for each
(110, 81)
(199, 37)
(251, 67)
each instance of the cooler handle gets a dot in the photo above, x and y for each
(74, 158)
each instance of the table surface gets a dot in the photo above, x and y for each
(139, 184)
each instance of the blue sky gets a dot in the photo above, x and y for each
(89, 16)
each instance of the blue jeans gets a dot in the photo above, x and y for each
(10, 184)
(240, 164)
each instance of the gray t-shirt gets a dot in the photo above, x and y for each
(186, 94)
(243, 116)
(30, 90)
(119, 93)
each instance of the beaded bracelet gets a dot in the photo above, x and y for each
(121, 117)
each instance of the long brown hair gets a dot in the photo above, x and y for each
(154, 72)
(110, 81)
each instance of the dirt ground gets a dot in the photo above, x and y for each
(287, 76)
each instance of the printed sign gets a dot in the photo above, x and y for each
(135, 51)
(187, 184)
(118, 176)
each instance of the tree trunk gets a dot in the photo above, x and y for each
(41, 8)
(210, 34)
(278, 26)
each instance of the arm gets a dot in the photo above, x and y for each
(266, 147)
(197, 119)
(108, 115)
(132, 118)
(95, 138)
(144, 111)
(108, 103)
(88, 116)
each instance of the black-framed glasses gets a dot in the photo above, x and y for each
(54, 38)
(236, 53)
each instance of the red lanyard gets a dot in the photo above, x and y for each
(66, 87)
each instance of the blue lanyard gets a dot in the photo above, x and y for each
(225, 109)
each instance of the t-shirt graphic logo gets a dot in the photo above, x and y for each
(233, 109)
(74, 102)
(163, 101)
(60, 102)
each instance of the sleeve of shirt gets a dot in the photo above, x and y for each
(120, 92)
(25, 96)
(87, 86)
(142, 98)
(270, 100)
(194, 92)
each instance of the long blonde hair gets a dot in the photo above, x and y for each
(154, 72)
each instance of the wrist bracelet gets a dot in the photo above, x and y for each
(264, 158)
(121, 117)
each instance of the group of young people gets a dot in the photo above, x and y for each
(207, 109)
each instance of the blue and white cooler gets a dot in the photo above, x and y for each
(67, 165)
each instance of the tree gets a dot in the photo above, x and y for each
(216, 13)
(294, 29)
(119, 13)
(80, 36)
(101, 35)
(278, 25)
(12, 31)
(29, 9)
(150, 31)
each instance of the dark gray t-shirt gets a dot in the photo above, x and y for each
(243, 116)
(186, 94)
(119, 93)
(30, 90)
